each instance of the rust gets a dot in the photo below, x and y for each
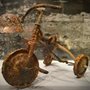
(10, 23)
(21, 67)
(48, 48)
(80, 66)
(38, 6)
(17, 71)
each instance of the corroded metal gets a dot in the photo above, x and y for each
(10, 23)
(37, 34)
(80, 65)
(38, 6)
(17, 71)
(48, 48)
(21, 67)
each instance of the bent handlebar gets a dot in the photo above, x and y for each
(38, 6)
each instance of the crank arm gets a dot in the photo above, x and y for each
(26, 69)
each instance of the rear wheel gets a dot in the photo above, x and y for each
(80, 66)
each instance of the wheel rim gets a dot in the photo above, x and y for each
(80, 66)
(17, 72)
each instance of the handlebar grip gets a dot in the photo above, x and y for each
(38, 6)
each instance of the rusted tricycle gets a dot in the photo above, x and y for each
(21, 67)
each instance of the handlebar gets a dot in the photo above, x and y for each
(38, 6)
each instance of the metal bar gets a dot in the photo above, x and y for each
(66, 50)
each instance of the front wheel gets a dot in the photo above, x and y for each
(17, 71)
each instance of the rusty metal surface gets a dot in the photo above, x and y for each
(80, 65)
(21, 67)
(10, 23)
(17, 71)
(48, 48)
(37, 34)
(40, 6)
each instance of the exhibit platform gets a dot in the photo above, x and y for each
(60, 77)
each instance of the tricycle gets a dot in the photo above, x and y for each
(21, 67)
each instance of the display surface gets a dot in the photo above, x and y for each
(20, 64)
(60, 76)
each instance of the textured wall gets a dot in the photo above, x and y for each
(75, 27)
